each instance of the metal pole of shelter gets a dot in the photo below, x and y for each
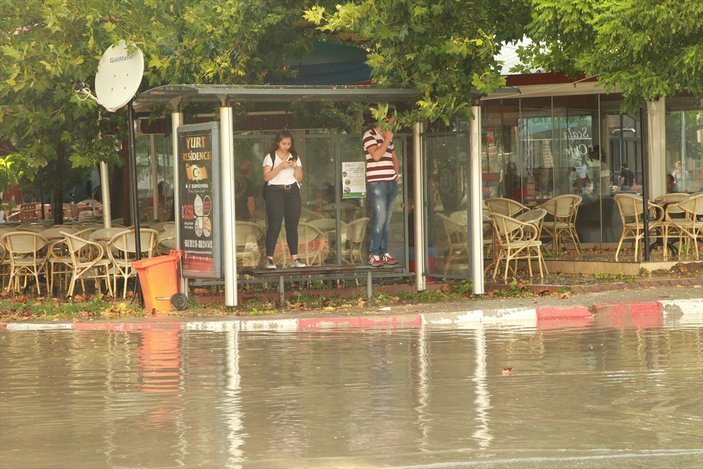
(133, 193)
(105, 192)
(229, 248)
(475, 202)
(644, 143)
(177, 121)
(419, 218)
(155, 195)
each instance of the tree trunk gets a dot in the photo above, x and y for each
(57, 204)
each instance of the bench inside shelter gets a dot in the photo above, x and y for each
(328, 272)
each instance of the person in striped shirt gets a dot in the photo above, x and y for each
(382, 179)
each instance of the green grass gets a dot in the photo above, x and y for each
(52, 309)
(605, 277)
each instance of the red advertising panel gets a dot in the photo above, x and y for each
(198, 179)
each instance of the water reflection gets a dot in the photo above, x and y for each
(170, 397)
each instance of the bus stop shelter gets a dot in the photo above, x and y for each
(176, 98)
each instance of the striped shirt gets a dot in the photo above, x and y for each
(383, 169)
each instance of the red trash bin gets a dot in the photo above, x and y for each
(158, 277)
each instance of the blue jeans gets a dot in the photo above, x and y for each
(381, 196)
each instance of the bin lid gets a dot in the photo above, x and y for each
(152, 261)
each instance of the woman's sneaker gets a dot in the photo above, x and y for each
(297, 263)
(375, 261)
(388, 259)
(270, 264)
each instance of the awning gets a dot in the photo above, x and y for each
(176, 97)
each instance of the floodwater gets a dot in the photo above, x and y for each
(167, 397)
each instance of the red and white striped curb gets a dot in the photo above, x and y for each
(669, 313)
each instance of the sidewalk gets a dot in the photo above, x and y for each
(635, 305)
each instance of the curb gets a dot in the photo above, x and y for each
(670, 313)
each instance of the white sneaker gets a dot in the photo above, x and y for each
(297, 263)
(270, 264)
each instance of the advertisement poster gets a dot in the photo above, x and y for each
(353, 180)
(198, 176)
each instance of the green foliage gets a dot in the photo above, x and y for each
(515, 288)
(46, 46)
(383, 299)
(9, 170)
(430, 296)
(645, 49)
(446, 50)
(464, 287)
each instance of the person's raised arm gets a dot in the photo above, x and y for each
(377, 151)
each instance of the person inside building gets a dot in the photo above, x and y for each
(680, 176)
(245, 194)
(670, 184)
(626, 179)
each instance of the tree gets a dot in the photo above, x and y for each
(47, 46)
(444, 49)
(646, 49)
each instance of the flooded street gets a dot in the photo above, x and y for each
(169, 396)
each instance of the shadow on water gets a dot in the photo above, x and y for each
(608, 394)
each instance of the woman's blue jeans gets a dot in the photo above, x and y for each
(381, 196)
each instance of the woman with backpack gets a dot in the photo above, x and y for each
(283, 173)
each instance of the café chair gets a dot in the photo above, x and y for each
(518, 239)
(248, 235)
(166, 241)
(631, 210)
(690, 226)
(87, 262)
(26, 258)
(54, 233)
(354, 241)
(121, 251)
(313, 246)
(560, 227)
(163, 226)
(455, 243)
(324, 224)
(104, 235)
(670, 233)
(504, 206)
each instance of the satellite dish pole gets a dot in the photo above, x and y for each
(119, 75)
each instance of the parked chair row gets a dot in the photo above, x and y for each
(103, 256)
(559, 223)
(671, 218)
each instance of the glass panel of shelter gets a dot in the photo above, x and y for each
(157, 146)
(322, 156)
(445, 158)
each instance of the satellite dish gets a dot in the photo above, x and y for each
(119, 75)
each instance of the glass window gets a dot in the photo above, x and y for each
(684, 144)
(535, 163)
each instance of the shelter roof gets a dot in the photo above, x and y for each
(178, 96)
